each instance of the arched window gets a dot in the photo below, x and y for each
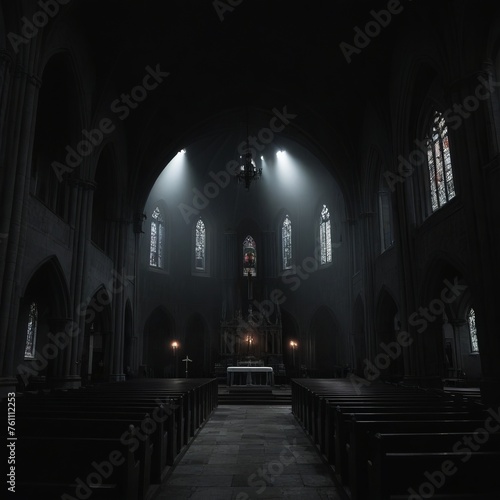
(440, 172)
(325, 235)
(286, 242)
(200, 246)
(157, 241)
(249, 257)
(471, 320)
(31, 330)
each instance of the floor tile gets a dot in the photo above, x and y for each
(250, 452)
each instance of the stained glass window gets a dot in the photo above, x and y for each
(249, 257)
(286, 242)
(157, 241)
(325, 235)
(471, 319)
(29, 349)
(200, 246)
(441, 184)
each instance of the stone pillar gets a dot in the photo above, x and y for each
(81, 214)
(478, 169)
(20, 114)
(118, 301)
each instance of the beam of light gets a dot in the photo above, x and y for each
(289, 172)
(174, 172)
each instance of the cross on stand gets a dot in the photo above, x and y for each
(187, 360)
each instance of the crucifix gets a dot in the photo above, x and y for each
(187, 360)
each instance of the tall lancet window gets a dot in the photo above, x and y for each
(471, 320)
(325, 235)
(441, 184)
(200, 246)
(157, 241)
(29, 348)
(249, 257)
(286, 242)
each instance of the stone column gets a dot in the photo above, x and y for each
(18, 138)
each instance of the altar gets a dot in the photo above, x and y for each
(250, 377)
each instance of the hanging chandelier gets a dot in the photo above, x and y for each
(248, 170)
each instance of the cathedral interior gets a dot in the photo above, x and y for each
(306, 186)
(124, 130)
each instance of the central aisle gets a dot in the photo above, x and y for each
(250, 452)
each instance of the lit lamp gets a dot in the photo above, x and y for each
(175, 345)
(293, 345)
(249, 343)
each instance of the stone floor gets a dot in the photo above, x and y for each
(250, 452)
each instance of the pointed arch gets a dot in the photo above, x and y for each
(249, 257)
(58, 122)
(43, 309)
(325, 235)
(200, 246)
(471, 322)
(157, 238)
(440, 182)
(96, 344)
(286, 242)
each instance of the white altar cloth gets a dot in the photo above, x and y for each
(253, 376)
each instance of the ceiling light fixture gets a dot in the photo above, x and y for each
(248, 170)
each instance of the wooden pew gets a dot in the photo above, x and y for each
(342, 429)
(52, 464)
(104, 412)
(443, 473)
(145, 446)
(361, 431)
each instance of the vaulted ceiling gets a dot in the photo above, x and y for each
(224, 56)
